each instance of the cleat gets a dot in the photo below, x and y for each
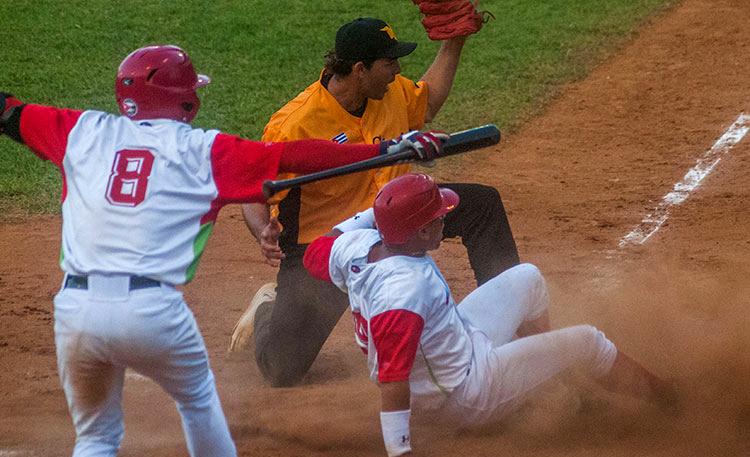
(243, 329)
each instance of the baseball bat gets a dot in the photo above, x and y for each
(458, 143)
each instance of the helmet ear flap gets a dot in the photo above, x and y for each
(190, 107)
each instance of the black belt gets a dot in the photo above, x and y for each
(136, 282)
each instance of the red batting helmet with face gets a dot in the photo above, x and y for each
(407, 204)
(158, 82)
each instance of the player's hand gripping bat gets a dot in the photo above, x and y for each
(458, 143)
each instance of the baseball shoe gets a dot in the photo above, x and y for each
(243, 329)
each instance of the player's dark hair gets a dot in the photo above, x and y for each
(342, 67)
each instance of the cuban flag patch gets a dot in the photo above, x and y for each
(340, 138)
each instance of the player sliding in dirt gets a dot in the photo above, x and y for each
(428, 354)
(141, 193)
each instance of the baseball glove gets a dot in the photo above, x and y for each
(446, 19)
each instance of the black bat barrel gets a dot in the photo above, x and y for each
(469, 140)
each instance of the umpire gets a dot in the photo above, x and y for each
(360, 97)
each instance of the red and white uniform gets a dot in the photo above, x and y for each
(461, 359)
(169, 177)
(139, 201)
(405, 318)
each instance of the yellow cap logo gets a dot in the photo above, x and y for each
(387, 29)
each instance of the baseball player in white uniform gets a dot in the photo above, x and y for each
(472, 363)
(141, 193)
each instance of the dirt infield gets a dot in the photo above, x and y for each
(575, 181)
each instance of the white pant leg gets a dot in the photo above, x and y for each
(504, 375)
(91, 382)
(499, 306)
(150, 330)
(179, 364)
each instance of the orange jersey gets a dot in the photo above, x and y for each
(312, 210)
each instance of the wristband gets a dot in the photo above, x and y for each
(363, 220)
(395, 426)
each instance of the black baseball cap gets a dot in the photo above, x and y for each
(369, 39)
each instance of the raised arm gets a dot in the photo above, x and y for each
(43, 129)
(439, 77)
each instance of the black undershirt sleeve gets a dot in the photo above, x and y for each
(12, 127)
(10, 120)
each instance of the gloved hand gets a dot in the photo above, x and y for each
(446, 19)
(427, 145)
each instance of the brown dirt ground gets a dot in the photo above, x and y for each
(575, 181)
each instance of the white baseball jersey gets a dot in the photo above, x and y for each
(405, 318)
(141, 197)
(404, 314)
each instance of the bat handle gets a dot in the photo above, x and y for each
(458, 142)
(271, 187)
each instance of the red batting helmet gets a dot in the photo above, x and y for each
(407, 204)
(158, 82)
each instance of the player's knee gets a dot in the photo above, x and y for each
(488, 193)
(600, 350)
(534, 282)
(288, 377)
(529, 274)
(202, 397)
(487, 198)
(280, 372)
(588, 334)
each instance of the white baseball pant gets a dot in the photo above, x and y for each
(101, 330)
(505, 370)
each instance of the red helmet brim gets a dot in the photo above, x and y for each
(450, 201)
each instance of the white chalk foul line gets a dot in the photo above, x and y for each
(681, 191)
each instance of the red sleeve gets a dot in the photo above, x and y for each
(317, 257)
(240, 166)
(396, 335)
(309, 156)
(45, 130)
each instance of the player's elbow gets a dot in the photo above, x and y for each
(432, 110)
(317, 256)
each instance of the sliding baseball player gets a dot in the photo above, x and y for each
(427, 354)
